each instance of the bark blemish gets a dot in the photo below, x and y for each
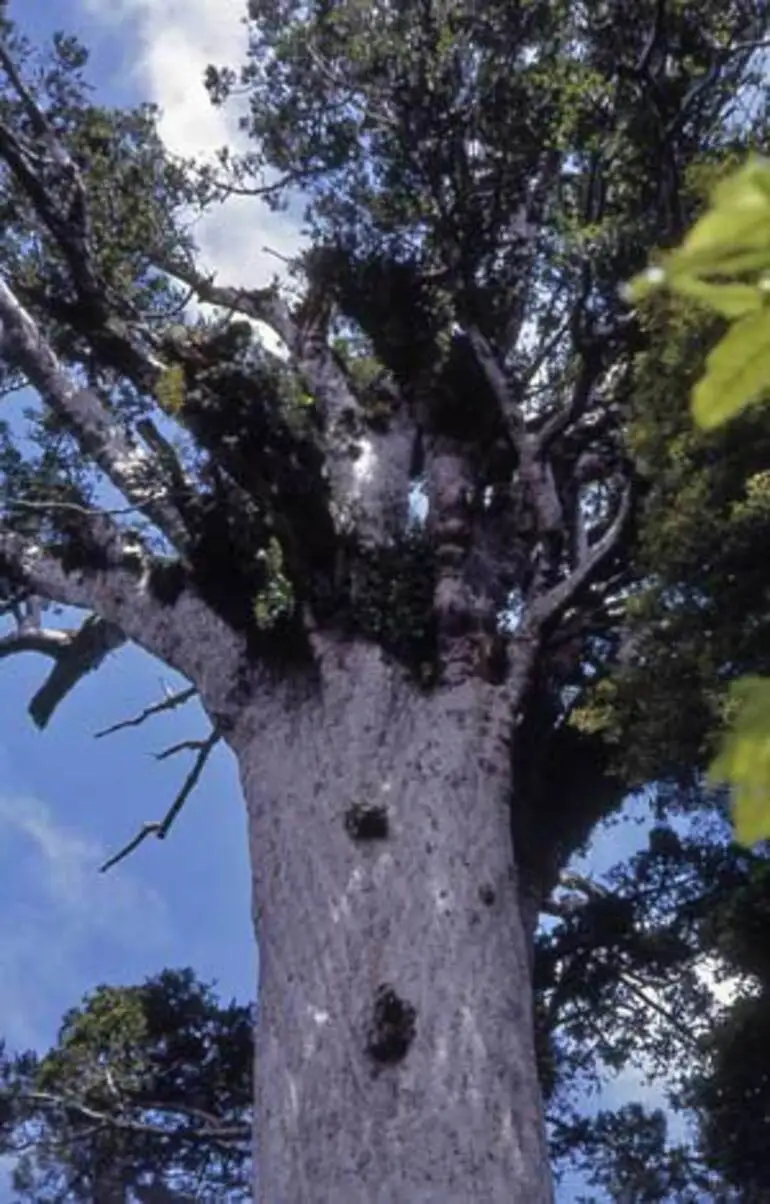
(166, 582)
(365, 822)
(487, 895)
(393, 1027)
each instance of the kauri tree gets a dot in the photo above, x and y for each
(394, 561)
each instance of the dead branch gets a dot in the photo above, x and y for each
(179, 698)
(75, 654)
(160, 828)
(84, 652)
(181, 746)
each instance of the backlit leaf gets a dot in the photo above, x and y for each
(737, 371)
(744, 760)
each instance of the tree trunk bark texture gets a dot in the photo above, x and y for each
(394, 1048)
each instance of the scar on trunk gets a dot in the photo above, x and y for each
(365, 822)
(392, 1029)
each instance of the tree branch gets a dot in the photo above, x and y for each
(129, 468)
(86, 650)
(160, 828)
(347, 441)
(179, 633)
(498, 383)
(177, 699)
(181, 746)
(546, 608)
(220, 1134)
(70, 229)
(75, 654)
(587, 889)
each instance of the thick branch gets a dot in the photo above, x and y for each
(534, 467)
(363, 470)
(75, 654)
(496, 378)
(181, 633)
(551, 604)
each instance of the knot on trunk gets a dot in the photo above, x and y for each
(393, 1028)
(364, 822)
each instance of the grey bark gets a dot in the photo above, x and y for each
(394, 1048)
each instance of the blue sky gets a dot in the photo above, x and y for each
(67, 800)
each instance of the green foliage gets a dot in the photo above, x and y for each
(630, 996)
(734, 1097)
(744, 759)
(724, 264)
(422, 137)
(392, 602)
(276, 599)
(170, 389)
(627, 1154)
(147, 1084)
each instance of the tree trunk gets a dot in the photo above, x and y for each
(394, 1045)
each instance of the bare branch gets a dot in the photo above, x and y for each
(160, 828)
(181, 746)
(221, 1134)
(179, 698)
(85, 651)
(261, 305)
(48, 641)
(75, 653)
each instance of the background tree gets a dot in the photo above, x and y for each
(399, 682)
(148, 1089)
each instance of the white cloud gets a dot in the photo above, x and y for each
(59, 910)
(169, 43)
(66, 865)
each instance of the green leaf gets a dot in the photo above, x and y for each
(737, 371)
(734, 234)
(732, 238)
(729, 300)
(744, 760)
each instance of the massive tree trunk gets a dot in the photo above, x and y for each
(394, 1050)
